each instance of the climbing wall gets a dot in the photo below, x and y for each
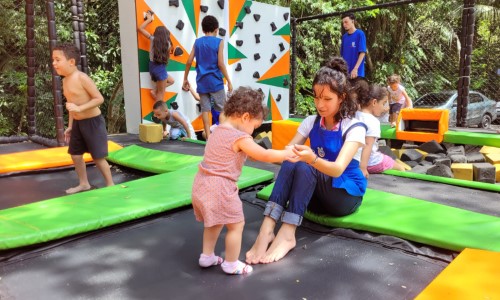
(256, 49)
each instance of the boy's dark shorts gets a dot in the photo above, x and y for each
(89, 135)
(157, 71)
(394, 108)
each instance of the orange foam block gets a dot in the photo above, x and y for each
(473, 274)
(421, 114)
(42, 159)
(283, 131)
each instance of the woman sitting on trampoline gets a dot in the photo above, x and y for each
(324, 178)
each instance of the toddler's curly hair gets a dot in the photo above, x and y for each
(246, 100)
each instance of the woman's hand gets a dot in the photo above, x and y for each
(302, 153)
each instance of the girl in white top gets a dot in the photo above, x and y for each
(398, 98)
(372, 100)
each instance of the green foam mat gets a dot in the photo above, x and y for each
(387, 132)
(73, 214)
(150, 160)
(452, 181)
(472, 138)
(416, 220)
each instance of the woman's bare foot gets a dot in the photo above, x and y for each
(79, 188)
(282, 244)
(258, 250)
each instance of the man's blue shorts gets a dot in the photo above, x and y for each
(158, 71)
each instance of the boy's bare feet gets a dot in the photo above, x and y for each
(77, 189)
(258, 250)
(282, 244)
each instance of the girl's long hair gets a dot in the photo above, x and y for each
(161, 45)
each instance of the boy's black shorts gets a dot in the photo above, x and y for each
(89, 135)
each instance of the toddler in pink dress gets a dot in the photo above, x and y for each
(215, 196)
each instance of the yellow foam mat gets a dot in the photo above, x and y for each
(42, 159)
(473, 274)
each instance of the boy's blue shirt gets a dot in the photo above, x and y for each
(209, 78)
(352, 45)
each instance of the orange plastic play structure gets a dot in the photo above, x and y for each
(283, 132)
(441, 116)
(42, 159)
(473, 274)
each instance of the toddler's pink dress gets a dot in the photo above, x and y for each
(215, 194)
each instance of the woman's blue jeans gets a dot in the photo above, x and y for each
(296, 185)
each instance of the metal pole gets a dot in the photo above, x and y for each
(30, 62)
(293, 83)
(56, 79)
(383, 5)
(468, 23)
(83, 39)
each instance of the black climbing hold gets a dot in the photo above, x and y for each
(285, 16)
(204, 8)
(178, 51)
(222, 31)
(173, 3)
(273, 26)
(256, 75)
(285, 82)
(247, 9)
(273, 57)
(260, 90)
(156, 120)
(282, 47)
(239, 42)
(256, 17)
(238, 67)
(221, 4)
(150, 12)
(257, 38)
(278, 99)
(256, 56)
(180, 25)
(174, 105)
(239, 25)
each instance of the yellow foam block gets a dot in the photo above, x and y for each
(270, 135)
(261, 135)
(462, 171)
(473, 274)
(497, 168)
(407, 167)
(42, 159)
(489, 149)
(424, 154)
(150, 133)
(398, 152)
(492, 158)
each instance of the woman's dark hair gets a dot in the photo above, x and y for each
(334, 75)
(209, 24)
(374, 91)
(246, 100)
(161, 45)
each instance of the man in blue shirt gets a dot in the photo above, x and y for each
(353, 47)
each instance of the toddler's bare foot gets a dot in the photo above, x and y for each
(77, 189)
(258, 250)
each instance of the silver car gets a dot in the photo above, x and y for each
(480, 111)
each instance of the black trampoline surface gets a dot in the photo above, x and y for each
(19, 147)
(156, 257)
(158, 260)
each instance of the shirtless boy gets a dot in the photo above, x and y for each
(86, 130)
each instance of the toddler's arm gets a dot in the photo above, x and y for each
(408, 102)
(256, 152)
(183, 122)
(189, 62)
